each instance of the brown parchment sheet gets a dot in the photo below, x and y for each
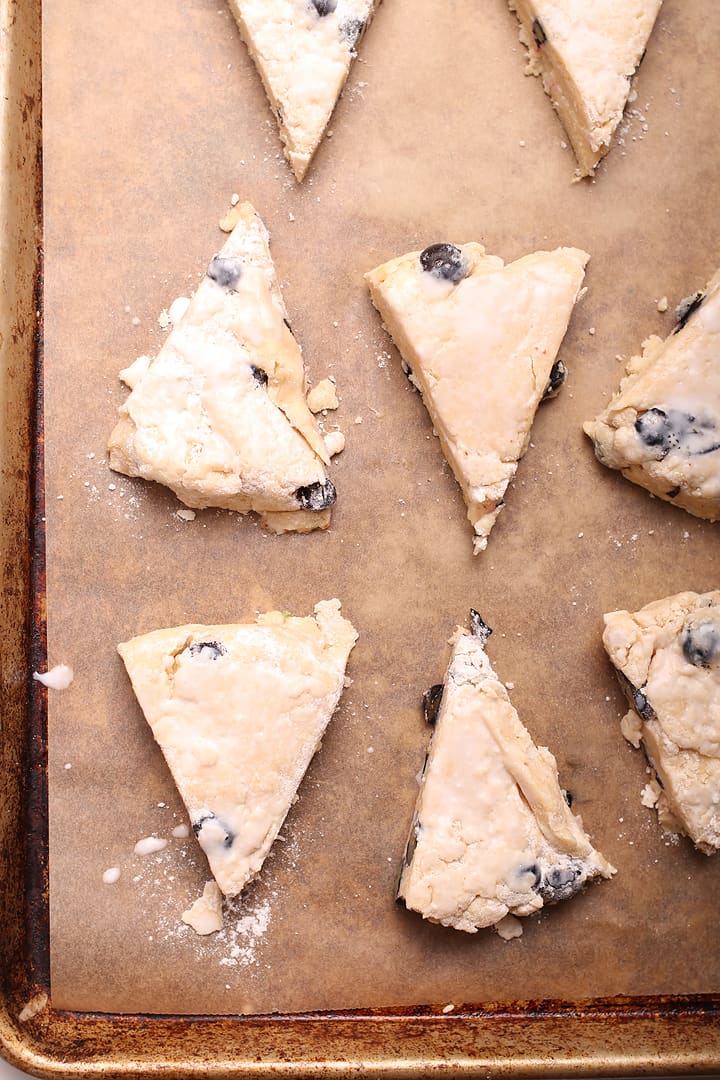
(154, 117)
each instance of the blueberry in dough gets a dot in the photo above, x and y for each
(259, 375)
(432, 699)
(352, 30)
(533, 869)
(208, 650)
(324, 7)
(215, 833)
(538, 33)
(655, 430)
(637, 699)
(558, 375)
(225, 270)
(561, 882)
(701, 643)
(317, 496)
(444, 261)
(686, 308)
(479, 628)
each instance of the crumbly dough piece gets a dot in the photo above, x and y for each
(239, 712)
(303, 50)
(586, 54)
(667, 656)
(492, 833)
(479, 339)
(220, 416)
(662, 427)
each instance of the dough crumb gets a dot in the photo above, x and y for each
(650, 794)
(163, 320)
(35, 1005)
(178, 308)
(149, 845)
(509, 928)
(57, 678)
(631, 727)
(205, 915)
(662, 304)
(322, 396)
(228, 223)
(335, 442)
(132, 375)
(185, 515)
(448, 1008)
(234, 199)
(181, 832)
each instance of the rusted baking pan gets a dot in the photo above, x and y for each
(153, 117)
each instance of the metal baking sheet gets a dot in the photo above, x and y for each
(152, 120)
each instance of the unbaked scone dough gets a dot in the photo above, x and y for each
(586, 52)
(667, 656)
(480, 340)
(492, 833)
(303, 50)
(239, 712)
(220, 416)
(662, 427)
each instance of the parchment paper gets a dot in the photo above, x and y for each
(154, 117)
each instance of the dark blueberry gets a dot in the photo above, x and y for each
(701, 643)
(538, 33)
(561, 882)
(568, 797)
(317, 496)
(637, 699)
(431, 702)
(673, 492)
(444, 261)
(288, 326)
(225, 270)
(685, 309)
(656, 430)
(209, 650)
(259, 375)
(533, 869)
(412, 843)
(407, 370)
(558, 375)
(478, 627)
(324, 7)
(352, 30)
(226, 834)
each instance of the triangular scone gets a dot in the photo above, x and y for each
(662, 428)
(667, 656)
(492, 833)
(219, 416)
(303, 50)
(480, 340)
(586, 52)
(238, 712)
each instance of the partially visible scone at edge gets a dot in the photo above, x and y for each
(220, 416)
(667, 656)
(239, 711)
(303, 50)
(662, 427)
(586, 54)
(492, 833)
(480, 340)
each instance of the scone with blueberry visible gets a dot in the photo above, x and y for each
(220, 415)
(480, 340)
(667, 656)
(303, 50)
(662, 428)
(586, 54)
(239, 712)
(492, 833)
